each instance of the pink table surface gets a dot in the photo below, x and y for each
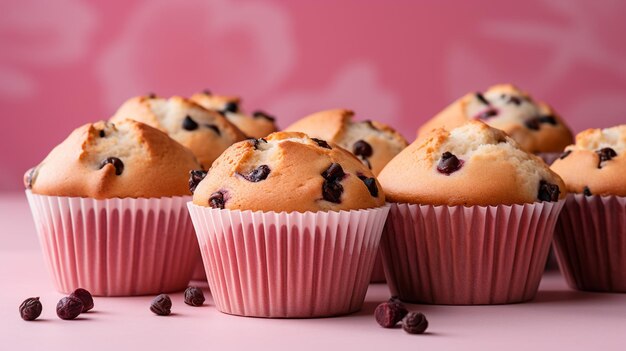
(559, 318)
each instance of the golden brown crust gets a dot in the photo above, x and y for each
(337, 126)
(213, 134)
(154, 165)
(294, 182)
(518, 115)
(494, 170)
(582, 170)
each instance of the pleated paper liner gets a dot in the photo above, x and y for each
(590, 242)
(198, 271)
(116, 247)
(467, 255)
(288, 265)
(378, 272)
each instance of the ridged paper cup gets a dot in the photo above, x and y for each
(590, 242)
(116, 247)
(198, 272)
(461, 255)
(288, 265)
(378, 272)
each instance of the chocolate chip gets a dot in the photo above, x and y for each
(85, 297)
(161, 305)
(216, 200)
(255, 142)
(532, 124)
(102, 135)
(151, 96)
(207, 92)
(214, 127)
(482, 99)
(548, 191)
(189, 123)
(415, 323)
(487, 114)
(321, 143)
(362, 148)
(333, 172)
(370, 183)
(195, 177)
(331, 189)
(565, 154)
(370, 124)
(605, 154)
(257, 174)
(194, 296)
(116, 162)
(548, 119)
(30, 309)
(514, 100)
(587, 191)
(535, 123)
(449, 163)
(261, 114)
(230, 107)
(69, 307)
(388, 314)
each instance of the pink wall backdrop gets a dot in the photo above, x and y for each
(67, 62)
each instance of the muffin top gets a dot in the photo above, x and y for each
(206, 133)
(256, 125)
(374, 143)
(104, 160)
(470, 165)
(596, 164)
(533, 124)
(287, 172)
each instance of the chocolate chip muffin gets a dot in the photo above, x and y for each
(596, 164)
(471, 165)
(256, 125)
(374, 143)
(102, 160)
(535, 126)
(206, 133)
(288, 172)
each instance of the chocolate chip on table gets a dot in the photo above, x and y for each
(257, 174)
(565, 154)
(605, 154)
(487, 114)
(262, 114)
(449, 163)
(214, 128)
(481, 98)
(216, 200)
(321, 143)
(195, 177)
(194, 296)
(587, 191)
(255, 142)
(30, 309)
(334, 172)
(116, 162)
(370, 183)
(388, 314)
(161, 305)
(69, 307)
(230, 107)
(362, 148)
(415, 323)
(85, 297)
(548, 191)
(189, 123)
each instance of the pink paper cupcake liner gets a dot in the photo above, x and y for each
(288, 265)
(467, 255)
(590, 242)
(198, 271)
(116, 247)
(378, 273)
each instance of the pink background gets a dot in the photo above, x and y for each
(67, 62)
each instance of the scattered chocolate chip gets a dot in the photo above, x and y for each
(195, 177)
(334, 172)
(151, 96)
(605, 154)
(548, 119)
(394, 298)
(548, 191)
(161, 305)
(388, 314)
(189, 123)
(102, 134)
(587, 191)
(487, 114)
(449, 163)
(535, 123)
(85, 297)
(116, 162)
(69, 307)
(331, 191)
(216, 200)
(370, 183)
(261, 114)
(29, 177)
(214, 127)
(257, 174)
(321, 143)
(30, 309)
(194, 296)
(370, 124)
(565, 154)
(514, 100)
(207, 92)
(415, 323)
(230, 107)
(532, 124)
(362, 148)
(255, 142)
(482, 99)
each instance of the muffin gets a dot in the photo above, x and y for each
(471, 219)
(535, 126)
(591, 229)
(374, 143)
(288, 227)
(256, 125)
(206, 133)
(109, 208)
